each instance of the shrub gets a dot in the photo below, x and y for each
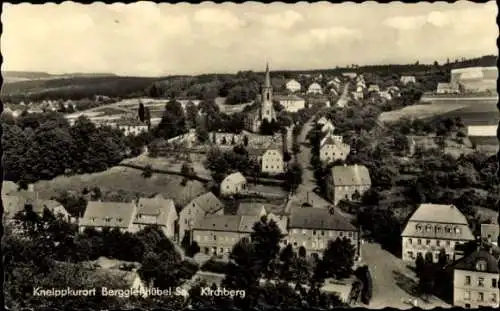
(148, 171)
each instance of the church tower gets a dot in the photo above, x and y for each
(266, 109)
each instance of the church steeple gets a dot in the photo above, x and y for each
(267, 82)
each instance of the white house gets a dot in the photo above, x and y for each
(292, 103)
(233, 184)
(408, 79)
(156, 211)
(293, 86)
(332, 149)
(272, 161)
(315, 88)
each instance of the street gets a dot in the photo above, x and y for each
(394, 283)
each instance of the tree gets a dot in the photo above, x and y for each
(148, 171)
(173, 121)
(338, 259)
(187, 170)
(419, 263)
(191, 114)
(293, 177)
(147, 117)
(266, 237)
(245, 140)
(287, 257)
(141, 112)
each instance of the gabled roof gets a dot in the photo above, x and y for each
(250, 209)
(314, 85)
(235, 178)
(322, 120)
(438, 213)
(247, 222)
(331, 140)
(119, 214)
(209, 203)
(470, 262)
(350, 175)
(328, 127)
(318, 219)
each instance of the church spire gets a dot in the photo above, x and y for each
(267, 82)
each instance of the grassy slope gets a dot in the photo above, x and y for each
(125, 179)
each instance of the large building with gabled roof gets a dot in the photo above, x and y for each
(347, 182)
(202, 206)
(433, 227)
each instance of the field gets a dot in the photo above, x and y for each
(418, 111)
(126, 180)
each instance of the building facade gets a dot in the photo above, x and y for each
(314, 88)
(292, 103)
(217, 235)
(475, 281)
(332, 149)
(112, 215)
(347, 182)
(408, 79)
(433, 227)
(233, 184)
(272, 162)
(312, 228)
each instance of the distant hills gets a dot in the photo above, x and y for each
(24, 85)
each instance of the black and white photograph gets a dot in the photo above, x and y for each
(250, 156)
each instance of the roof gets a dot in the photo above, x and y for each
(490, 231)
(319, 219)
(250, 209)
(235, 178)
(328, 126)
(331, 140)
(119, 214)
(157, 206)
(314, 85)
(470, 261)
(350, 175)
(208, 202)
(441, 213)
(293, 81)
(322, 120)
(228, 223)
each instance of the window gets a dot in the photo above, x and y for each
(493, 283)
(419, 228)
(448, 243)
(428, 242)
(480, 296)
(410, 255)
(481, 265)
(410, 241)
(438, 242)
(419, 241)
(428, 228)
(493, 297)
(480, 282)
(467, 280)
(215, 237)
(341, 233)
(466, 295)
(350, 234)
(314, 232)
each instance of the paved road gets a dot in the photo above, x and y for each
(393, 281)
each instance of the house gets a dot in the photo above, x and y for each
(332, 149)
(314, 88)
(200, 207)
(55, 208)
(251, 209)
(112, 215)
(433, 227)
(156, 211)
(327, 127)
(483, 138)
(357, 95)
(265, 111)
(394, 91)
(350, 75)
(489, 233)
(217, 235)
(293, 86)
(446, 88)
(233, 184)
(272, 161)
(475, 280)
(292, 103)
(361, 84)
(407, 79)
(347, 182)
(15, 202)
(313, 228)
(373, 88)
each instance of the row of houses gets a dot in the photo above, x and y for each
(387, 94)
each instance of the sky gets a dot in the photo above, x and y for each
(148, 39)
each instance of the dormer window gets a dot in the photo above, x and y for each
(419, 228)
(107, 219)
(448, 230)
(120, 219)
(457, 230)
(439, 229)
(481, 265)
(428, 228)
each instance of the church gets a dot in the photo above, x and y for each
(265, 111)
